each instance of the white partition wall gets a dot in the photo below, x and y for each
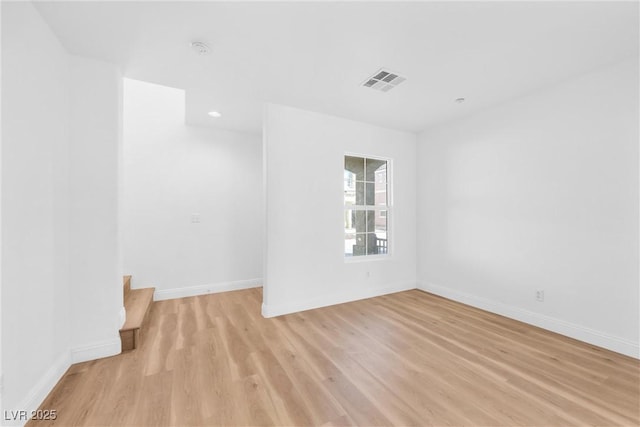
(192, 215)
(61, 279)
(35, 197)
(304, 165)
(94, 246)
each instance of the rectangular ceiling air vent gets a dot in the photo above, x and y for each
(383, 80)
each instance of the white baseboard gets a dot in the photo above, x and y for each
(96, 350)
(192, 291)
(40, 390)
(591, 336)
(338, 298)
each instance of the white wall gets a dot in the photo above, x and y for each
(173, 171)
(540, 193)
(1, 373)
(35, 275)
(94, 166)
(305, 265)
(61, 284)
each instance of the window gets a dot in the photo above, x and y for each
(366, 206)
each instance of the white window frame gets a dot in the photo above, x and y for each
(388, 208)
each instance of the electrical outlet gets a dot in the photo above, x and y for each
(540, 295)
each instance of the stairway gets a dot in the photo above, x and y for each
(137, 303)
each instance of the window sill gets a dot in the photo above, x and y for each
(366, 258)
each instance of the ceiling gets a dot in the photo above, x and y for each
(315, 55)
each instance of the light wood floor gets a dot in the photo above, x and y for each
(404, 359)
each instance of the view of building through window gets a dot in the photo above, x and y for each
(366, 206)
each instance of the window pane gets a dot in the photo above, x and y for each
(359, 220)
(360, 247)
(371, 244)
(360, 193)
(378, 246)
(349, 179)
(355, 165)
(349, 226)
(371, 194)
(371, 219)
(376, 170)
(349, 243)
(349, 193)
(381, 223)
(380, 234)
(381, 194)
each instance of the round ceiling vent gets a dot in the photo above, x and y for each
(200, 48)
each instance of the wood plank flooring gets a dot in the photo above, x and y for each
(409, 358)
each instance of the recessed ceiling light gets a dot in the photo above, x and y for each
(200, 48)
(214, 114)
(459, 100)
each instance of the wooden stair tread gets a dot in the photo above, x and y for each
(136, 304)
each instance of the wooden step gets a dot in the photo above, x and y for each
(137, 303)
